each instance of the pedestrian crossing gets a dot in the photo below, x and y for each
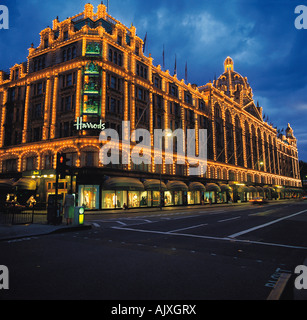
(149, 218)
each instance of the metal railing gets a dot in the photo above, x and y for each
(16, 215)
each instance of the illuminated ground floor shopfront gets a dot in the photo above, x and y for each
(103, 190)
(116, 192)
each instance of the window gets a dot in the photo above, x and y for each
(141, 94)
(9, 165)
(15, 74)
(69, 53)
(158, 101)
(188, 97)
(39, 63)
(37, 134)
(114, 105)
(68, 79)
(37, 111)
(68, 103)
(48, 161)
(89, 159)
(202, 105)
(141, 70)
(114, 83)
(157, 82)
(141, 114)
(66, 129)
(173, 90)
(115, 56)
(137, 50)
(159, 122)
(177, 110)
(30, 163)
(46, 43)
(65, 35)
(38, 88)
(12, 94)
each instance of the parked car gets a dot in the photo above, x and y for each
(304, 198)
(258, 200)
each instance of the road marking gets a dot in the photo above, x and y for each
(265, 224)
(229, 219)
(96, 225)
(212, 238)
(263, 213)
(122, 223)
(192, 227)
(180, 218)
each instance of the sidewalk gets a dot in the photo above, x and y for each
(14, 232)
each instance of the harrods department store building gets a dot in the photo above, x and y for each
(93, 67)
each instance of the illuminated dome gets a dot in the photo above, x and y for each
(233, 84)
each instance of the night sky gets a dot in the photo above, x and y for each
(260, 36)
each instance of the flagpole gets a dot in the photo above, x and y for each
(186, 72)
(145, 40)
(175, 69)
(163, 56)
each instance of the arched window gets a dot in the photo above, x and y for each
(248, 145)
(219, 134)
(255, 149)
(239, 142)
(229, 138)
(261, 159)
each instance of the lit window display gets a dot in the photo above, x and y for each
(168, 198)
(194, 197)
(155, 198)
(177, 198)
(89, 196)
(209, 197)
(138, 199)
(113, 199)
(173, 198)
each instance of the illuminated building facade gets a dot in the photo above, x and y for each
(92, 68)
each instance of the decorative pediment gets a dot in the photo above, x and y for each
(253, 110)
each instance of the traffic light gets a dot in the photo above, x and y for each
(61, 166)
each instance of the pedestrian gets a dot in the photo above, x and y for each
(69, 207)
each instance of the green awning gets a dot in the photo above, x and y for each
(252, 189)
(259, 189)
(123, 183)
(225, 188)
(6, 183)
(196, 186)
(25, 184)
(177, 186)
(268, 189)
(212, 187)
(243, 189)
(154, 184)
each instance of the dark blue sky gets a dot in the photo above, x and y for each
(259, 35)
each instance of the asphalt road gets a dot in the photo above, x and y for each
(235, 253)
